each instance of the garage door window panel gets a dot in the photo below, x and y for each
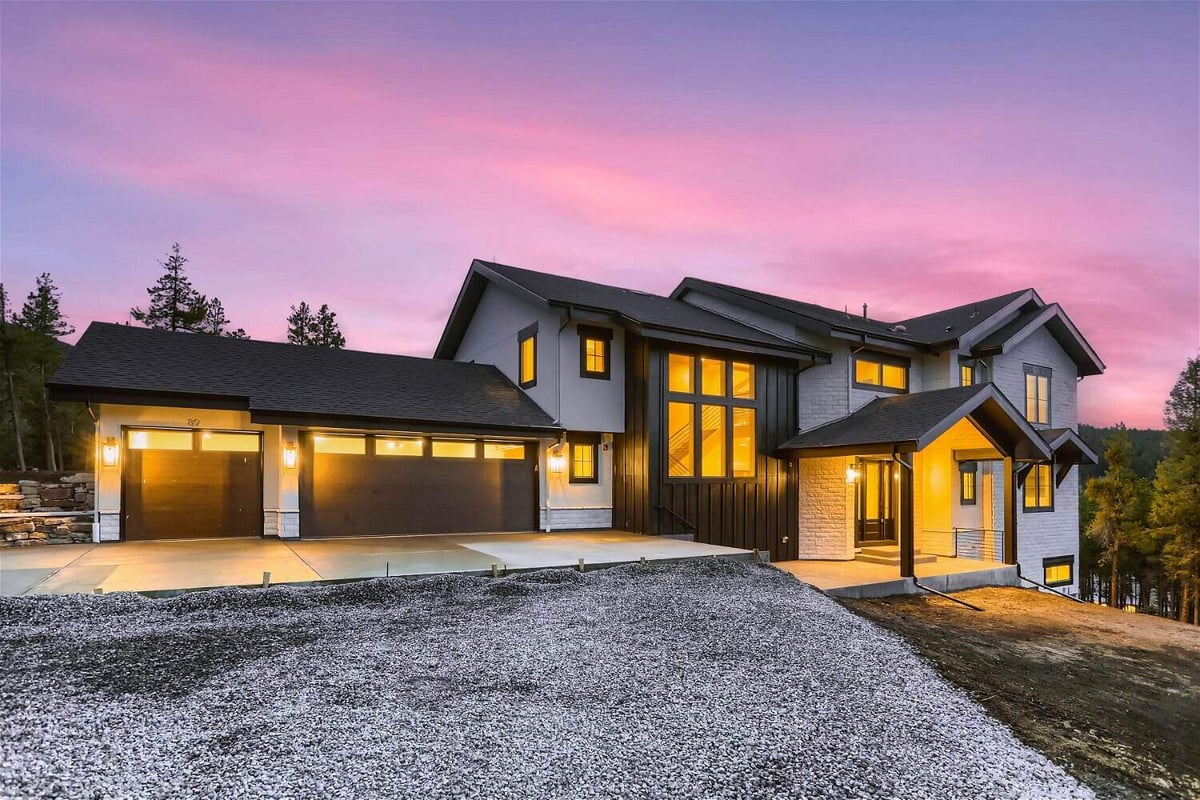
(219, 442)
(508, 451)
(396, 446)
(453, 448)
(160, 440)
(340, 445)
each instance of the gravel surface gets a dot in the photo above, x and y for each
(705, 679)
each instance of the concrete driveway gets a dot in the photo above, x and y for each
(197, 564)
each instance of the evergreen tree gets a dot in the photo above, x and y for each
(300, 324)
(42, 318)
(174, 304)
(1116, 495)
(326, 332)
(1176, 506)
(7, 345)
(217, 324)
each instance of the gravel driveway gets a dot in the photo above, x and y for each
(705, 679)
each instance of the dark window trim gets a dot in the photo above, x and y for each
(968, 468)
(872, 357)
(698, 401)
(529, 332)
(1058, 561)
(1032, 476)
(1048, 374)
(971, 364)
(595, 448)
(600, 334)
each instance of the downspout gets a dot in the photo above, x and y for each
(557, 413)
(97, 465)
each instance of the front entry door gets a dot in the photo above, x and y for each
(874, 521)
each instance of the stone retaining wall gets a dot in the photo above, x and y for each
(41, 495)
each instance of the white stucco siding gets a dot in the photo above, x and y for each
(281, 491)
(826, 518)
(1040, 349)
(573, 506)
(591, 404)
(1048, 534)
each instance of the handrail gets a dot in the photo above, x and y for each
(920, 585)
(1048, 588)
(676, 516)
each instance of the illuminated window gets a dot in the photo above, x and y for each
(595, 360)
(1039, 488)
(508, 451)
(452, 448)
(712, 377)
(395, 446)
(966, 374)
(743, 442)
(681, 445)
(968, 479)
(527, 357)
(712, 441)
(583, 462)
(743, 381)
(160, 440)
(212, 441)
(679, 374)
(340, 445)
(880, 372)
(1058, 571)
(1037, 394)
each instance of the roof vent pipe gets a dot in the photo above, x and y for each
(864, 310)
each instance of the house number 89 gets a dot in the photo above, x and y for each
(193, 423)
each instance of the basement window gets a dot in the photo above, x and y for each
(1058, 571)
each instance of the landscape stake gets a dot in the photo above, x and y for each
(581, 565)
(266, 579)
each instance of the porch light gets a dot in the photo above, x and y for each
(558, 462)
(852, 474)
(289, 455)
(109, 452)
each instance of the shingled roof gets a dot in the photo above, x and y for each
(115, 362)
(911, 422)
(649, 312)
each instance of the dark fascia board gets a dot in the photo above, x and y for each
(1070, 439)
(65, 393)
(478, 277)
(833, 451)
(307, 420)
(720, 343)
(1063, 330)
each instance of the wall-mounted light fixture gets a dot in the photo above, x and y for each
(558, 460)
(109, 452)
(289, 455)
(852, 474)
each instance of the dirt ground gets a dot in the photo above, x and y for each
(1112, 697)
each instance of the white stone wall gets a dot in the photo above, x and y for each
(109, 529)
(826, 510)
(562, 519)
(565, 505)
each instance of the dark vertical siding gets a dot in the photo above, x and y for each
(761, 513)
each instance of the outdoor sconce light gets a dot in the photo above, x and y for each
(109, 452)
(852, 474)
(289, 455)
(558, 462)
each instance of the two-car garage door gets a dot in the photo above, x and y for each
(370, 485)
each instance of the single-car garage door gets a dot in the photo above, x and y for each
(190, 484)
(378, 485)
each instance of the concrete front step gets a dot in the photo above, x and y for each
(893, 561)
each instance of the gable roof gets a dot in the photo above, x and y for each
(120, 363)
(648, 313)
(1056, 321)
(939, 327)
(911, 422)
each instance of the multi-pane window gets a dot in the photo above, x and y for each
(583, 462)
(595, 357)
(1058, 571)
(873, 371)
(527, 357)
(710, 430)
(1039, 488)
(966, 374)
(968, 481)
(1037, 394)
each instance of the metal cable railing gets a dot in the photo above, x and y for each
(981, 544)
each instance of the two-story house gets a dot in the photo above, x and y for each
(554, 403)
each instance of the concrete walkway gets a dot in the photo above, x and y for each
(863, 579)
(196, 564)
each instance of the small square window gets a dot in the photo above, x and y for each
(595, 352)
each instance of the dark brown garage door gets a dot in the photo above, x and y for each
(191, 484)
(378, 485)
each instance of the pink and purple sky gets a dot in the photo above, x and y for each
(909, 156)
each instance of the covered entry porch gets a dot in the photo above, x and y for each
(917, 487)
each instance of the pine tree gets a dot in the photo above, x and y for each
(326, 332)
(174, 304)
(300, 324)
(42, 318)
(215, 322)
(1116, 495)
(6, 353)
(1176, 506)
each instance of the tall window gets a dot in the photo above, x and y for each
(595, 358)
(711, 416)
(968, 479)
(1037, 394)
(966, 373)
(527, 356)
(876, 371)
(1039, 488)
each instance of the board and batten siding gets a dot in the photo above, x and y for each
(750, 513)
